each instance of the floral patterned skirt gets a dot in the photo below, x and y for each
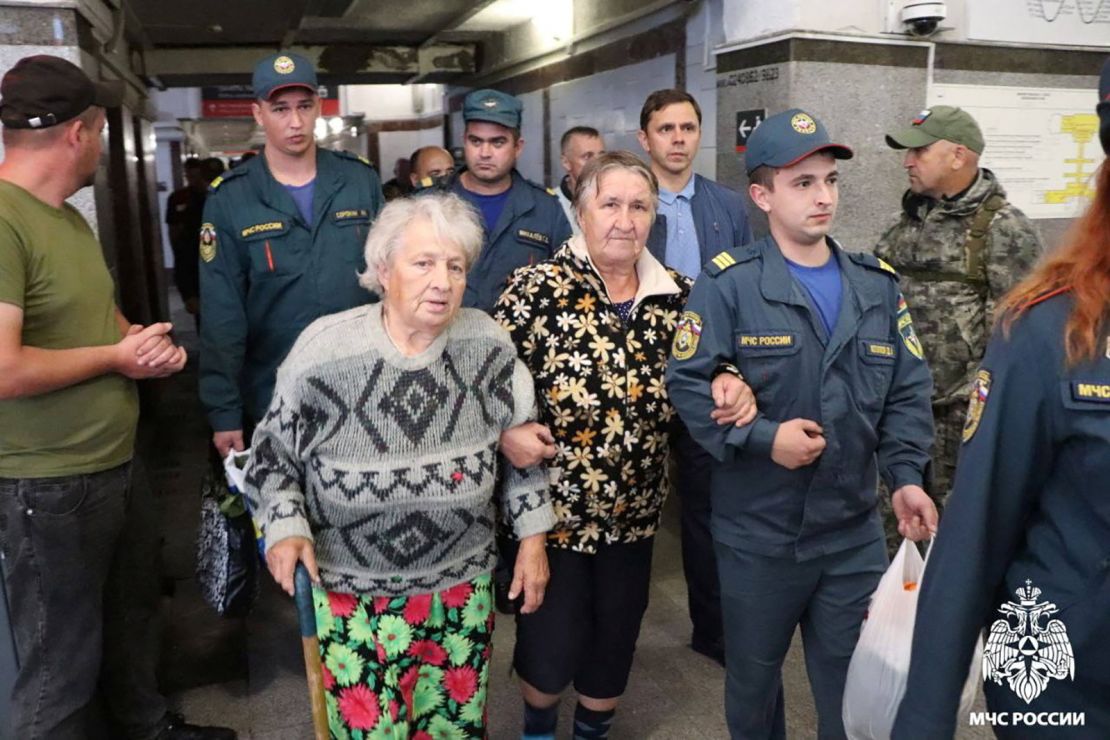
(407, 667)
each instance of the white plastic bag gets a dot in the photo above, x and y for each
(881, 661)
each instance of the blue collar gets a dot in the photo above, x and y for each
(666, 196)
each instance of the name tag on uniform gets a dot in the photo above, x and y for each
(1091, 392)
(352, 214)
(265, 229)
(535, 237)
(879, 349)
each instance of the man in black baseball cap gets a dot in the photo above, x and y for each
(843, 396)
(78, 574)
(42, 91)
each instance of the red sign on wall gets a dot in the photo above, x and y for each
(234, 101)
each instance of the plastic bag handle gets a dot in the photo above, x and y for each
(925, 563)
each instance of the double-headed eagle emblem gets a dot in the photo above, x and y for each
(1024, 653)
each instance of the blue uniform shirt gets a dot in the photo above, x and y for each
(868, 386)
(490, 206)
(683, 253)
(302, 196)
(823, 285)
(1030, 502)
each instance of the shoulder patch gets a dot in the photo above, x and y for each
(729, 258)
(980, 390)
(686, 335)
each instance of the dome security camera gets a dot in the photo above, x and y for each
(922, 19)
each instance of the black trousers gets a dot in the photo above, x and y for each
(699, 561)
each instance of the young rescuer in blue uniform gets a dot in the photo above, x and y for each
(827, 343)
(1024, 549)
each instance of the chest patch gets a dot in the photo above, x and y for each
(352, 214)
(269, 227)
(765, 341)
(207, 242)
(534, 237)
(686, 336)
(1091, 392)
(978, 401)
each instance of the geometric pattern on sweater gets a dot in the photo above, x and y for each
(389, 463)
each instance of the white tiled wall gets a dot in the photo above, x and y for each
(393, 145)
(530, 163)
(610, 102)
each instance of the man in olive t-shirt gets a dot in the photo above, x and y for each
(68, 412)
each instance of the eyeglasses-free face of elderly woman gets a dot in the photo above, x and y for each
(421, 280)
(615, 219)
(376, 467)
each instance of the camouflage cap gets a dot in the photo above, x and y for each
(787, 138)
(493, 106)
(936, 123)
(1104, 106)
(280, 71)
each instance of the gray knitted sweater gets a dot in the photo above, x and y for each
(389, 463)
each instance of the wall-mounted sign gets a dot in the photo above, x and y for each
(746, 121)
(234, 101)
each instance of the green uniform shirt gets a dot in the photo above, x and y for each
(52, 267)
(266, 274)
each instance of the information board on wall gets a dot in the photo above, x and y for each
(1041, 142)
(1072, 22)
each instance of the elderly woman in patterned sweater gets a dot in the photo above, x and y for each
(595, 324)
(375, 466)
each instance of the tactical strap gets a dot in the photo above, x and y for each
(976, 243)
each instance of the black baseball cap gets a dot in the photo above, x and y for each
(787, 138)
(42, 91)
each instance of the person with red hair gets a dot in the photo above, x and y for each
(1023, 549)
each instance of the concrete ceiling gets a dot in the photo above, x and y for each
(352, 41)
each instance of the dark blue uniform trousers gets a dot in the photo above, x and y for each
(699, 564)
(763, 600)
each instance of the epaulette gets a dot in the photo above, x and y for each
(357, 157)
(552, 191)
(228, 175)
(729, 258)
(872, 262)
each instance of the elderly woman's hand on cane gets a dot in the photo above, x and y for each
(283, 557)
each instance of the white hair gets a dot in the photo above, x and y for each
(452, 219)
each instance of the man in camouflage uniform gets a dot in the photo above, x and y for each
(958, 246)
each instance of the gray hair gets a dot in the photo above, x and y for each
(452, 220)
(589, 180)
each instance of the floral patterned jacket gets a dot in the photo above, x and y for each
(600, 387)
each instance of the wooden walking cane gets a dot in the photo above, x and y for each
(306, 615)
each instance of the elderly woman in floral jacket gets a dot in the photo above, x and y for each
(594, 324)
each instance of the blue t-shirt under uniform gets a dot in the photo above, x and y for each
(824, 287)
(490, 205)
(302, 196)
